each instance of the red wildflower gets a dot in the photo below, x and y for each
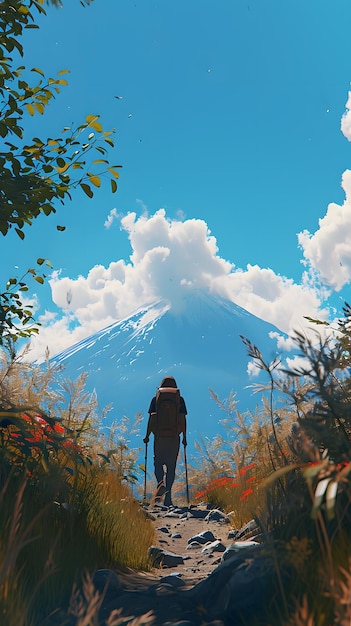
(251, 479)
(245, 494)
(71, 445)
(246, 468)
(200, 494)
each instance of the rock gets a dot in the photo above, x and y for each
(214, 546)
(193, 544)
(233, 533)
(238, 587)
(248, 530)
(106, 581)
(203, 537)
(163, 529)
(199, 513)
(164, 589)
(176, 536)
(236, 546)
(170, 560)
(215, 515)
(173, 579)
(163, 558)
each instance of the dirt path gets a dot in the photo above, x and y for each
(197, 564)
(166, 590)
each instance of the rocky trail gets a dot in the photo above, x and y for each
(203, 573)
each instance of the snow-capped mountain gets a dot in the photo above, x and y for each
(198, 343)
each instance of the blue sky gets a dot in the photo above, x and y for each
(229, 133)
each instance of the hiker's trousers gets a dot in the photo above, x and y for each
(166, 450)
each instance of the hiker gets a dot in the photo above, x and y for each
(167, 421)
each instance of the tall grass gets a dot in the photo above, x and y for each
(66, 506)
(288, 467)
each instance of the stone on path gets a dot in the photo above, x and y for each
(215, 515)
(214, 546)
(203, 537)
(236, 546)
(163, 558)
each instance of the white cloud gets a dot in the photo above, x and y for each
(328, 250)
(112, 216)
(346, 119)
(169, 257)
(273, 298)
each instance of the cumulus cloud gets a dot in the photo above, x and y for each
(328, 250)
(112, 216)
(169, 258)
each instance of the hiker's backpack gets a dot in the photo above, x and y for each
(167, 420)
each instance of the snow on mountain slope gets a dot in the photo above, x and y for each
(198, 343)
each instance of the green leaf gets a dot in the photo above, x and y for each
(39, 279)
(20, 233)
(39, 107)
(87, 190)
(113, 185)
(30, 108)
(92, 120)
(61, 228)
(39, 71)
(113, 172)
(95, 180)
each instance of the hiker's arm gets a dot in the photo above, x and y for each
(150, 427)
(151, 412)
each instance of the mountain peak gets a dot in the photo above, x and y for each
(198, 343)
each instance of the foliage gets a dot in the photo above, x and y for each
(66, 510)
(37, 174)
(16, 318)
(296, 454)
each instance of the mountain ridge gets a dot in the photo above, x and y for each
(198, 342)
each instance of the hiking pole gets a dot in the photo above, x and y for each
(186, 476)
(145, 466)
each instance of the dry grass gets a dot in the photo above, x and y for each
(65, 499)
(69, 509)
